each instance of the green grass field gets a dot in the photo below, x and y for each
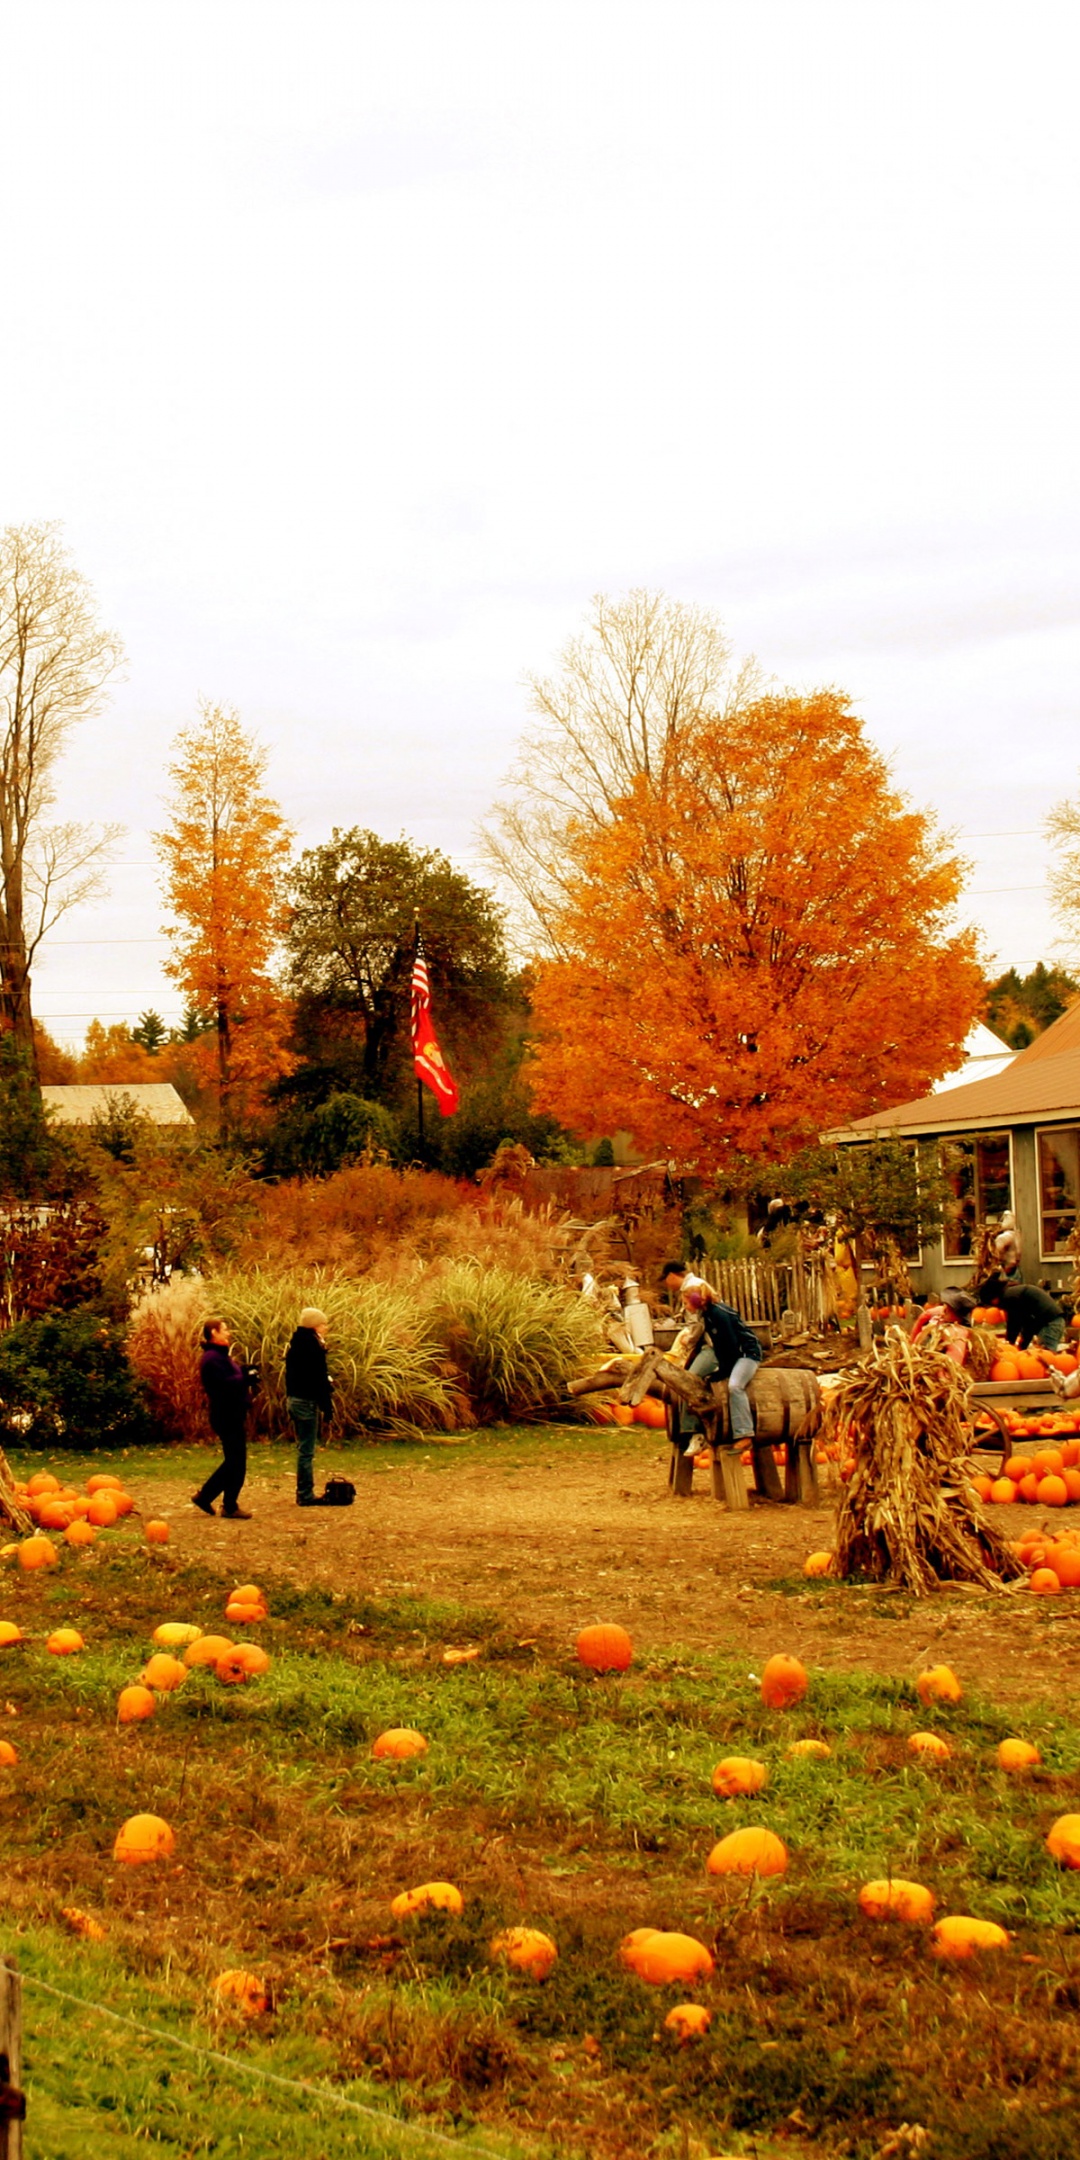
(579, 1804)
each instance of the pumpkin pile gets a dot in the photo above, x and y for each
(1013, 1364)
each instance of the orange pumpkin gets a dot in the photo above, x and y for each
(783, 1683)
(42, 1481)
(175, 1634)
(9, 1755)
(1044, 1583)
(232, 1671)
(659, 1957)
(134, 1704)
(929, 1743)
(1065, 1561)
(142, 1839)
(398, 1744)
(244, 1991)
(1017, 1755)
(253, 1657)
(819, 1749)
(207, 1650)
(651, 1414)
(894, 1899)
(9, 1634)
(688, 2021)
(748, 1852)
(163, 1673)
(37, 1552)
(819, 1563)
(1052, 1491)
(527, 1949)
(102, 1481)
(605, 1648)
(157, 1532)
(738, 1774)
(102, 1510)
(79, 1533)
(958, 1936)
(938, 1683)
(1003, 1491)
(1005, 1368)
(64, 1641)
(427, 1897)
(1063, 1840)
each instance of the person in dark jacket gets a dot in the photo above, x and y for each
(308, 1390)
(1031, 1314)
(229, 1388)
(731, 1352)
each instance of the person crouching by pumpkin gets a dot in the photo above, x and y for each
(229, 1388)
(951, 1312)
(308, 1391)
(731, 1352)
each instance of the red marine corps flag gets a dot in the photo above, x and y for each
(428, 1061)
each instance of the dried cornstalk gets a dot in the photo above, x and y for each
(909, 1513)
(10, 1511)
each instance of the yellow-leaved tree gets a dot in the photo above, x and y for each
(225, 856)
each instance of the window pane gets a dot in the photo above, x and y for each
(1059, 1183)
(978, 1172)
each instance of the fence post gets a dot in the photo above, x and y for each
(12, 2103)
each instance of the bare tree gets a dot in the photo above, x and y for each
(621, 709)
(55, 663)
(1063, 879)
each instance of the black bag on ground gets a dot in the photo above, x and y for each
(339, 1492)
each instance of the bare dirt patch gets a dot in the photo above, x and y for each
(551, 1541)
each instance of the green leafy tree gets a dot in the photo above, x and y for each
(886, 1196)
(1019, 1007)
(318, 1142)
(355, 902)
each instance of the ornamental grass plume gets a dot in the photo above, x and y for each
(514, 1341)
(909, 1513)
(163, 1347)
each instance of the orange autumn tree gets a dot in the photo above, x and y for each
(761, 950)
(225, 857)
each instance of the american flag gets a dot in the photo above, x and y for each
(429, 1063)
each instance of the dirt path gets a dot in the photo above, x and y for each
(553, 1544)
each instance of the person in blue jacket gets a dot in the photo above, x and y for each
(228, 1387)
(731, 1352)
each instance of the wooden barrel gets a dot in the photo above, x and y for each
(785, 1400)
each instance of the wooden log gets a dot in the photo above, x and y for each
(656, 1374)
(728, 1480)
(12, 2100)
(610, 1375)
(681, 1474)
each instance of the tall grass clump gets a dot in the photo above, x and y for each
(515, 1341)
(163, 1347)
(385, 1358)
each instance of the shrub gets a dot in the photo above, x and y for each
(163, 1345)
(515, 1341)
(347, 1221)
(65, 1382)
(341, 1131)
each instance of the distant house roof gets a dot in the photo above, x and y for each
(1040, 1084)
(153, 1099)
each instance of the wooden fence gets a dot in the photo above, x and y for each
(763, 1290)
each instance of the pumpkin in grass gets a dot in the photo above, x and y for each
(54, 1515)
(134, 1704)
(122, 1502)
(398, 1744)
(688, 2021)
(819, 1563)
(253, 1657)
(37, 1552)
(930, 1744)
(938, 1683)
(156, 1532)
(1044, 1583)
(818, 1750)
(783, 1683)
(9, 1755)
(606, 1648)
(1065, 1561)
(894, 1899)
(427, 1897)
(175, 1634)
(102, 1511)
(1017, 1755)
(242, 1615)
(208, 1649)
(1063, 1840)
(243, 1991)
(527, 1949)
(42, 1481)
(163, 1673)
(64, 1641)
(748, 1852)
(659, 1957)
(10, 1634)
(738, 1774)
(142, 1839)
(101, 1481)
(80, 1533)
(232, 1671)
(959, 1936)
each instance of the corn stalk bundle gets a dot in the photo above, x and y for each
(11, 1513)
(909, 1513)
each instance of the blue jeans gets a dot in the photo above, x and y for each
(305, 1422)
(742, 1372)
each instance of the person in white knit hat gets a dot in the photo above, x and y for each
(308, 1392)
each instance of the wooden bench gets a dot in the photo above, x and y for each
(994, 1396)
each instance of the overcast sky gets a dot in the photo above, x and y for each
(356, 346)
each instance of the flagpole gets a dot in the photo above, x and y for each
(419, 1082)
